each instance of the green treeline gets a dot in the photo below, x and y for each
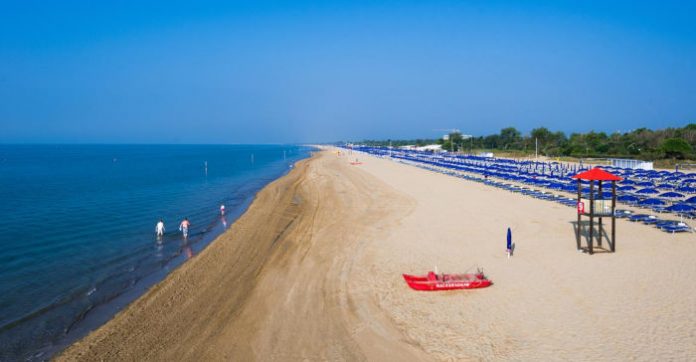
(643, 143)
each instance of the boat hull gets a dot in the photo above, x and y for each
(447, 282)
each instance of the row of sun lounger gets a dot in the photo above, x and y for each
(669, 226)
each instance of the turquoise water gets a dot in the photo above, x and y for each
(78, 240)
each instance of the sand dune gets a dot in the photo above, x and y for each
(312, 271)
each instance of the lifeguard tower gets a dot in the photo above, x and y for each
(597, 208)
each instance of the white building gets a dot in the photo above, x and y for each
(628, 163)
(430, 148)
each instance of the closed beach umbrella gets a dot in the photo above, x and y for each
(671, 195)
(509, 243)
(651, 202)
(509, 239)
(647, 191)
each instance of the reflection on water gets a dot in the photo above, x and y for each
(188, 252)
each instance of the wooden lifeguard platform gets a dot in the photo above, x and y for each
(596, 208)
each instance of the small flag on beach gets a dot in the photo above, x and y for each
(509, 243)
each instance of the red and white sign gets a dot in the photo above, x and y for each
(581, 207)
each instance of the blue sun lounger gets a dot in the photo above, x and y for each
(651, 219)
(676, 229)
(622, 213)
(638, 217)
(673, 226)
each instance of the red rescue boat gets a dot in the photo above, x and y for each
(433, 281)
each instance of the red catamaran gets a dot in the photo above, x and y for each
(433, 281)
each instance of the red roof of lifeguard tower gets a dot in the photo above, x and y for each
(597, 174)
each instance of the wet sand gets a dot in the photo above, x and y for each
(313, 271)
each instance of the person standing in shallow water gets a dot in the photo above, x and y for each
(159, 228)
(184, 226)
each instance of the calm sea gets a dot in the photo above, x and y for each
(78, 243)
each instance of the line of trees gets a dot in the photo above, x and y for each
(668, 143)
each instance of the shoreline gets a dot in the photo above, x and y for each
(62, 351)
(269, 282)
(103, 313)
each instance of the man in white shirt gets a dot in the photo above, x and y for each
(159, 229)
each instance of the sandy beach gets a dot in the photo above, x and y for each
(312, 271)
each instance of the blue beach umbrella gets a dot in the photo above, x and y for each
(651, 202)
(625, 188)
(690, 200)
(644, 184)
(647, 191)
(605, 195)
(628, 198)
(569, 188)
(671, 195)
(555, 186)
(680, 208)
(688, 189)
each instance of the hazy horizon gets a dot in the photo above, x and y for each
(276, 73)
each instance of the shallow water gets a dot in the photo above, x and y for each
(78, 240)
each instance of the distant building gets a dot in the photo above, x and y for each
(464, 137)
(430, 148)
(628, 163)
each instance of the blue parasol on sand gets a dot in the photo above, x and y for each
(680, 208)
(647, 191)
(651, 202)
(688, 189)
(671, 195)
(628, 198)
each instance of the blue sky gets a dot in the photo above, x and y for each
(276, 72)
